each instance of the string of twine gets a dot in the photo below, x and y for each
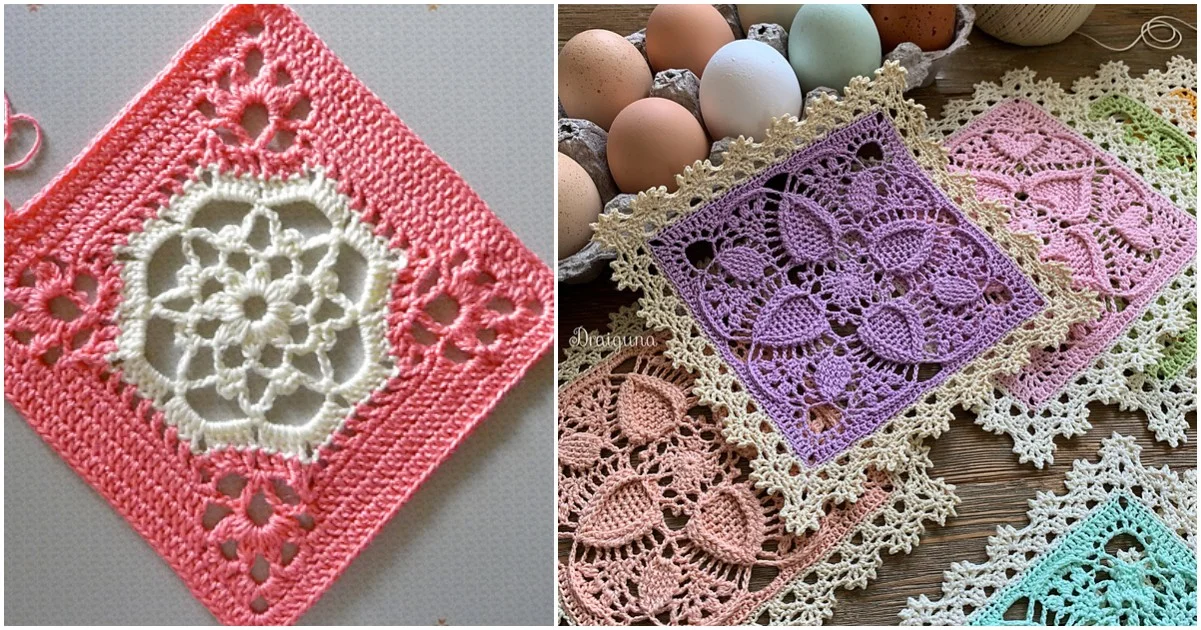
(1148, 34)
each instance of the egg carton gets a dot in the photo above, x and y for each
(584, 141)
(922, 67)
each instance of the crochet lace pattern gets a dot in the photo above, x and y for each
(830, 311)
(257, 312)
(1119, 548)
(806, 314)
(1170, 91)
(664, 525)
(1122, 238)
(1190, 97)
(1165, 391)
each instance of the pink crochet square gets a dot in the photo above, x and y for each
(260, 511)
(1119, 237)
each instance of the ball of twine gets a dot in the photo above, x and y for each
(1031, 24)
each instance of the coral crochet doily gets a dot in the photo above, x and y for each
(664, 525)
(257, 311)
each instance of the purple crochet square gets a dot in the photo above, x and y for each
(841, 285)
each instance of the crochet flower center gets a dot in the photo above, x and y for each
(255, 312)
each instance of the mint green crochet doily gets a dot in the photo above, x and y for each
(1117, 548)
(1121, 566)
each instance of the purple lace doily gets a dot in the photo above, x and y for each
(841, 285)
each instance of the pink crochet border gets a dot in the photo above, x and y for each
(118, 441)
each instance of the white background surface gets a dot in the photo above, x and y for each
(475, 544)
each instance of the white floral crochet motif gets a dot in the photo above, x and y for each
(255, 312)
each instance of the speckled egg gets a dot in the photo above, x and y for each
(752, 14)
(651, 142)
(579, 206)
(829, 44)
(685, 36)
(746, 84)
(600, 72)
(930, 26)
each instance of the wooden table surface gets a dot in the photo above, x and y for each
(993, 487)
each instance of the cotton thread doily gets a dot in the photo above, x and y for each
(1170, 91)
(261, 313)
(837, 315)
(1034, 420)
(665, 526)
(1060, 568)
(806, 489)
(255, 525)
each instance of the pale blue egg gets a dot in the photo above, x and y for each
(830, 43)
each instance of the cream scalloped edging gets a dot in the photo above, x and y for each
(1107, 380)
(810, 598)
(1116, 376)
(968, 587)
(805, 490)
(850, 564)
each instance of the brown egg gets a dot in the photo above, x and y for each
(579, 206)
(651, 142)
(930, 26)
(600, 72)
(685, 36)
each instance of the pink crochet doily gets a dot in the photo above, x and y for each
(1120, 238)
(340, 311)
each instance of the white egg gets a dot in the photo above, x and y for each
(745, 85)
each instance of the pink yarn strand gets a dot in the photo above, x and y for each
(9, 119)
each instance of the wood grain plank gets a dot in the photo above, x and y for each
(993, 487)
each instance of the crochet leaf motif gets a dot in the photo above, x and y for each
(664, 525)
(257, 312)
(868, 295)
(1119, 548)
(1173, 148)
(840, 306)
(1135, 247)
